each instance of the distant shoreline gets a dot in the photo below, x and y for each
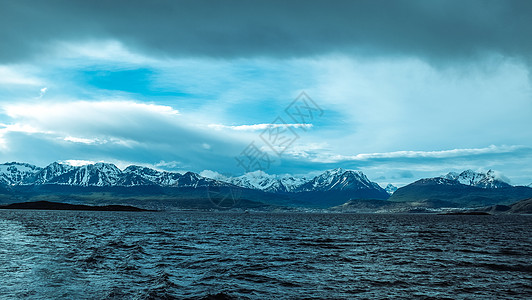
(47, 205)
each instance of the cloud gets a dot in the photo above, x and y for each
(403, 75)
(256, 127)
(81, 140)
(77, 162)
(453, 153)
(438, 30)
(115, 131)
(213, 175)
(109, 51)
(15, 75)
(84, 109)
(89, 122)
(42, 92)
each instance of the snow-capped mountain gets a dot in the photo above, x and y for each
(107, 175)
(16, 173)
(136, 175)
(99, 174)
(265, 182)
(50, 172)
(190, 179)
(339, 180)
(331, 180)
(488, 180)
(145, 172)
(390, 188)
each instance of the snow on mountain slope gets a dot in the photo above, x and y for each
(145, 173)
(291, 183)
(339, 179)
(191, 179)
(254, 180)
(49, 172)
(137, 175)
(390, 188)
(16, 173)
(104, 174)
(261, 181)
(436, 180)
(489, 180)
(99, 174)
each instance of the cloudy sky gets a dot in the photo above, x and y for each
(397, 89)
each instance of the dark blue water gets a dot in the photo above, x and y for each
(122, 255)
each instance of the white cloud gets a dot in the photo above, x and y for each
(99, 50)
(43, 91)
(82, 110)
(213, 175)
(17, 75)
(90, 122)
(98, 141)
(389, 104)
(85, 122)
(77, 162)
(255, 127)
(418, 154)
(19, 127)
(81, 140)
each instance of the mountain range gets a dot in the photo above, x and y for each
(333, 187)
(150, 188)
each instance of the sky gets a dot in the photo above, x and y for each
(400, 90)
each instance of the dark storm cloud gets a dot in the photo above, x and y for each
(436, 30)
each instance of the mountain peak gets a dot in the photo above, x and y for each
(489, 179)
(340, 179)
(15, 163)
(335, 172)
(12, 173)
(390, 188)
(259, 180)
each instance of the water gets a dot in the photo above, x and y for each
(157, 255)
